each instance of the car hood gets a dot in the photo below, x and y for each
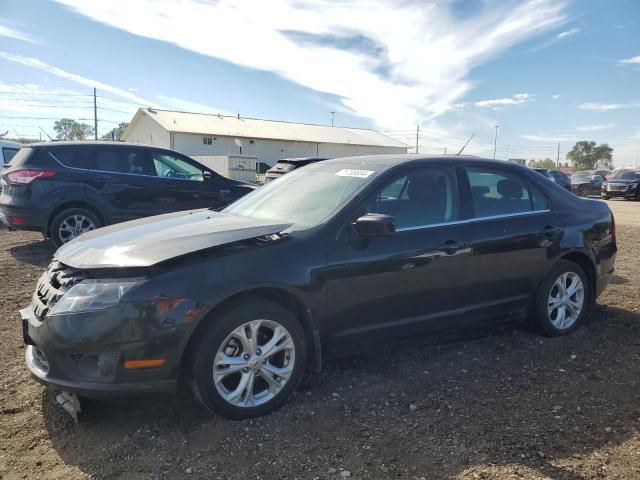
(622, 181)
(149, 241)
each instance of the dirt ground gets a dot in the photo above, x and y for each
(498, 403)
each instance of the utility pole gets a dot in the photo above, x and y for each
(332, 115)
(417, 138)
(445, 150)
(495, 142)
(558, 159)
(95, 115)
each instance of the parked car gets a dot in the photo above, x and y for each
(623, 183)
(63, 189)
(603, 173)
(7, 150)
(287, 165)
(342, 255)
(585, 184)
(562, 179)
(545, 173)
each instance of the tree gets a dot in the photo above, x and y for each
(115, 133)
(547, 164)
(587, 156)
(69, 129)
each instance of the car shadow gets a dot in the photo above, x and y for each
(37, 253)
(435, 407)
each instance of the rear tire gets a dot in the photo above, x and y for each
(562, 300)
(71, 223)
(233, 373)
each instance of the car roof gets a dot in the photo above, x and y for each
(398, 159)
(303, 159)
(85, 143)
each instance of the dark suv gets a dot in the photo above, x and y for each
(64, 189)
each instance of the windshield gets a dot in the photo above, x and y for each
(626, 176)
(303, 197)
(581, 177)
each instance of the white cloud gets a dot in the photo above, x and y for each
(594, 128)
(15, 34)
(632, 60)
(397, 63)
(540, 137)
(567, 33)
(605, 107)
(79, 79)
(556, 96)
(516, 99)
(188, 106)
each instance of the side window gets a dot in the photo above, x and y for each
(170, 166)
(538, 199)
(497, 192)
(124, 160)
(72, 157)
(426, 196)
(395, 190)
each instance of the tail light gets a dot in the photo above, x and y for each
(25, 177)
(613, 229)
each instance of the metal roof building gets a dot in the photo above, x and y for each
(199, 134)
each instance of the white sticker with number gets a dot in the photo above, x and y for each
(349, 172)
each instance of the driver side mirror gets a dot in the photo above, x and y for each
(206, 175)
(375, 225)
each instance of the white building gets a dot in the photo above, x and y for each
(197, 134)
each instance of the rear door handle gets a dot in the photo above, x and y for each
(550, 230)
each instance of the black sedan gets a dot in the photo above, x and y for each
(623, 183)
(585, 184)
(344, 254)
(287, 165)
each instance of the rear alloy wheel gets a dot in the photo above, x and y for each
(249, 360)
(72, 223)
(562, 300)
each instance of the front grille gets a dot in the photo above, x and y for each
(52, 284)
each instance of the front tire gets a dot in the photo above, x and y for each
(71, 223)
(248, 360)
(562, 301)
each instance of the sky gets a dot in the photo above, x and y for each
(546, 72)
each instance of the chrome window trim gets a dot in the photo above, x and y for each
(473, 220)
(121, 173)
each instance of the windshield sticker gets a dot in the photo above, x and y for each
(349, 172)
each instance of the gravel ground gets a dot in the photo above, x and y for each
(495, 403)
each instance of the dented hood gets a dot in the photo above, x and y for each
(151, 240)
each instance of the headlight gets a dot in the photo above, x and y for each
(91, 295)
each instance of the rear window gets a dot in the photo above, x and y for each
(21, 156)
(8, 153)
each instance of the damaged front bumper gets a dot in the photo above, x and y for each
(93, 371)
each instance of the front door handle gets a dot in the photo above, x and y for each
(451, 247)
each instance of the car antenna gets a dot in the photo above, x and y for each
(466, 143)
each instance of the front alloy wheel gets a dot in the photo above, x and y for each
(248, 358)
(254, 363)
